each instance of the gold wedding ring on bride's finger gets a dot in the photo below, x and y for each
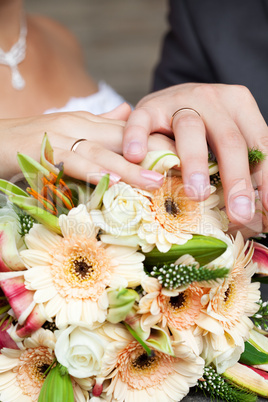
(76, 143)
(190, 109)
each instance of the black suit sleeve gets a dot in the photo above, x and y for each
(217, 41)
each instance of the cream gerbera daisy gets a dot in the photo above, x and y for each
(176, 308)
(71, 274)
(172, 217)
(136, 377)
(226, 308)
(22, 371)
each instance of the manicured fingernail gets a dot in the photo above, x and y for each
(134, 148)
(242, 207)
(155, 177)
(198, 183)
(113, 176)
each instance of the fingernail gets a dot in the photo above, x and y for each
(113, 176)
(154, 177)
(134, 148)
(242, 207)
(198, 183)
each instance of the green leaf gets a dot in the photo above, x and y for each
(138, 339)
(32, 171)
(121, 302)
(42, 216)
(252, 355)
(160, 340)
(96, 197)
(204, 249)
(11, 189)
(57, 386)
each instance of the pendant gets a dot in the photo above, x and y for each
(17, 80)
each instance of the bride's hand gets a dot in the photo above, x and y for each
(99, 154)
(225, 116)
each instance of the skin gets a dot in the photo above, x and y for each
(54, 71)
(91, 159)
(230, 122)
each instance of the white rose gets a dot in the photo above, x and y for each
(221, 351)
(80, 351)
(122, 210)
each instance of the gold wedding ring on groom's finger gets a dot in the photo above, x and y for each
(76, 143)
(190, 109)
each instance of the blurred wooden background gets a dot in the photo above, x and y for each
(121, 38)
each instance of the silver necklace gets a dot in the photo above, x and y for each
(15, 56)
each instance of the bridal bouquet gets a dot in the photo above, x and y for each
(113, 293)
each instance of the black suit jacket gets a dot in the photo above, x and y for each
(217, 41)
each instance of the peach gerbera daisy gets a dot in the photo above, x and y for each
(226, 308)
(176, 308)
(70, 274)
(172, 218)
(22, 371)
(135, 376)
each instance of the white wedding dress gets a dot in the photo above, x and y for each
(105, 100)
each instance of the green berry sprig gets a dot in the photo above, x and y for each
(26, 223)
(172, 276)
(214, 386)
(260, 319)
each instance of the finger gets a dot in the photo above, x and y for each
(231, 152)
(190, 136)
(255, 131)
(90, 160)
(76, 118)
(105, 134)
(136, 133)
(121, 112)
(160, 142)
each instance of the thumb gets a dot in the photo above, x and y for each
(121, 112)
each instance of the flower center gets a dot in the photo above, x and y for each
(171, 207)
(141, 371)
(82, 268)
(42, 369)
(178, 302)
(31, 368)
(229, 295)
(144, 362)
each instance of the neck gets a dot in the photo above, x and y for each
(11, 12)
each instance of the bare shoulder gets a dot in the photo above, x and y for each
(58, 33)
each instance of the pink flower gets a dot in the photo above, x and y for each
(260, 256)
(29, 315)
(5, 340)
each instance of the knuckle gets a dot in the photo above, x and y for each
(95, 150)
(188, 120)
(263, 143)
(208, 91)
(241, 92)
(232, 139)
